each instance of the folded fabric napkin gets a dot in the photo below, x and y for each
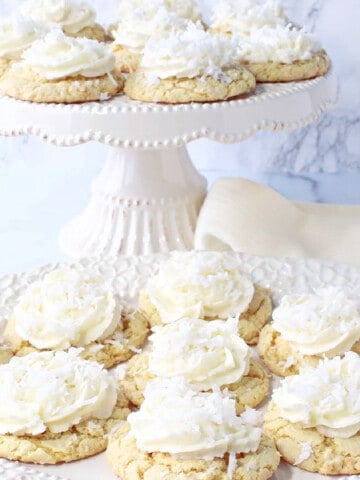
(248, 217)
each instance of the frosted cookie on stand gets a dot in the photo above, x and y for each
(70, 308)
(56, 407)
(136, 28)
(61, 69)
(209, 355)
(181, 433)
(16, 36)
(75, 18)
(189, 66)
(208, 286)
(282, 54)
(307, 327)
(314, 417)
(239, 17)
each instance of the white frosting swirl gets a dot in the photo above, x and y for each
(206, 285)
(135, 29)
(178, 420)
(70, 15)
(325, 397)
(207, 354)
(240, 16)
(66, 308)
(53, 391)
(57, 56)
(327, 322)
(188, 54)
(17, 36)
(282, 44)
(187, 9)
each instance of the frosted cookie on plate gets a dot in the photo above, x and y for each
(181, 433)
(75, 18)
(206, 285)
(70, 308)
(314, 417)
(189, 66)
(239, 17)
(307, 327)
(136, 28)
(209, 355)
(56, 407)
(282, 54)
(61, 69)
(16, 36)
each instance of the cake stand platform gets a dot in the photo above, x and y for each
(148, 195)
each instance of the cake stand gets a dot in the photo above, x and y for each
(148, 195)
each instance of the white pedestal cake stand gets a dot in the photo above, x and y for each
(148, 195)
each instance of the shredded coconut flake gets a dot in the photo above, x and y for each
(231, 465)
(306, 451)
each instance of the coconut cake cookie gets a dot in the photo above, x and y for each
(189, 66)
(306, 327)
(185, 9)
(75, 18)
(181, 433)
(239, 17)
(56, 407)
(314, 417)
(282, 54)
(209, 286)
(60, 69)
(16, 36)
(70, 308)
(209, 355)
(136, 28)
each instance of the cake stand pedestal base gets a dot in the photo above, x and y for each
(142, 202)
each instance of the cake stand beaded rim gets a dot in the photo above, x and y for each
(91, 117)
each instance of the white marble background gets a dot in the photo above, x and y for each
(42, 187)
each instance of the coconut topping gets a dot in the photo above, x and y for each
(241, 16)
(66, 308)
(207, 354)
(282, 44)
(187, 9)
(178, 420)
(53, 391)
(16, 36)
(58, 56)
(70, 15)
(140, 25)
(326, 322)
(206, 285)
(325, 397)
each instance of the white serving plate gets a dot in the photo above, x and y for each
(129, 274)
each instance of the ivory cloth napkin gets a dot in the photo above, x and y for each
(248, 217)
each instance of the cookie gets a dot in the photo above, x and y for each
(250, 322)
(309, 449)
(122, 344)
(81, 441)
(281, 357)
(25, 84)
(128, 462)
(84, 73)
(186, 90)
(249, 392)
(317, 66)
(56, 407)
